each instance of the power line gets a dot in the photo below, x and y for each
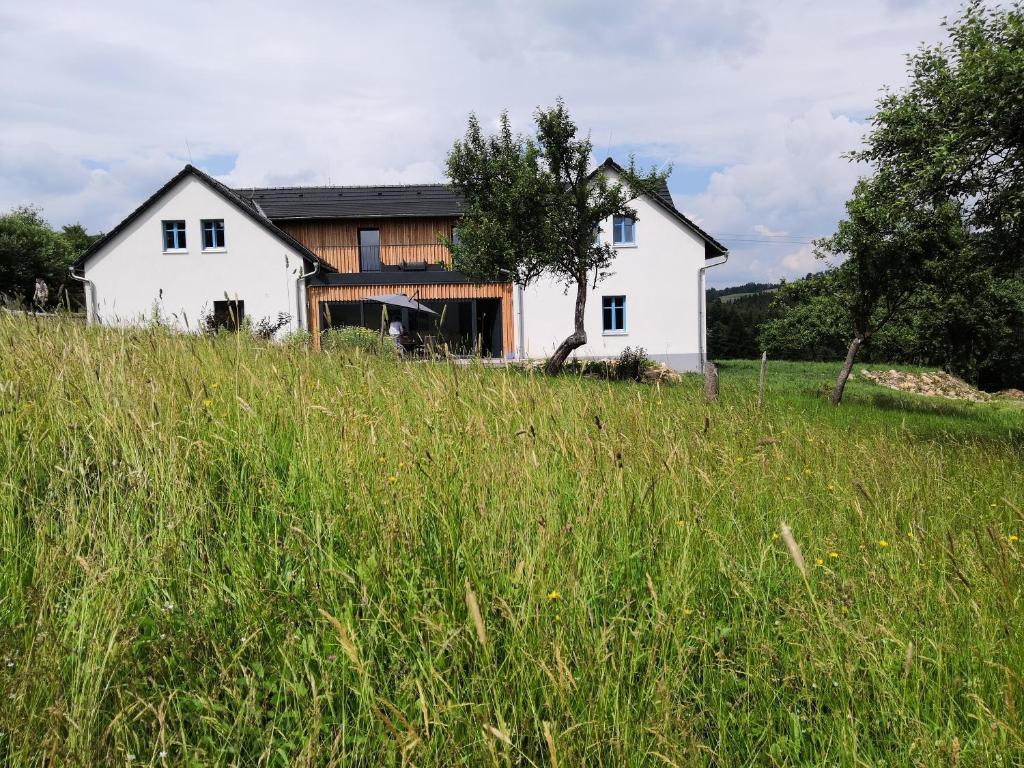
(762, 241)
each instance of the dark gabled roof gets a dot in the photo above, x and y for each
(246, 206)
(664, 194)
(289, 203)
(664, 198)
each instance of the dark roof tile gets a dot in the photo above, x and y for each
(284, 203)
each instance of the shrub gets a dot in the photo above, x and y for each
(352, 338)
(266, 329)
(632, 364)
(299, 338)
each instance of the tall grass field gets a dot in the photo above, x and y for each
(225, 552)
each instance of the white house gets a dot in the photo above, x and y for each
(653, 298)
(197, 252)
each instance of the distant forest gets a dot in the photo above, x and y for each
(735, 317)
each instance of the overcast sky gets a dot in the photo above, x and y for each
(753, 103)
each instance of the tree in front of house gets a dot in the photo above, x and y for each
(31, 250)
(533, 207)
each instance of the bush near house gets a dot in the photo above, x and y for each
(352, 338)
(228, 553)
(31, 249)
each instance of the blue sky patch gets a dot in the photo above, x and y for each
(218, 165)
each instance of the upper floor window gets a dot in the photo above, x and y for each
(174, 236)
(614, 311)
(213, 234)
(456, 238)
(623, 230)
(369, 250)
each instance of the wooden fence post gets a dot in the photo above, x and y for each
(760, 380)
(710, 381)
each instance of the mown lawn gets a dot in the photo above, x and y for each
(219, 552)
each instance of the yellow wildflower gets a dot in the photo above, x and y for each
(392, 479)
(775, 536)
(207, 403)
(553, 595)
(831, 487)
(1012, 538)
(819, 561)
(833, 555)
(687, 611)
(807, 470)
(883, 543)
(789, 477)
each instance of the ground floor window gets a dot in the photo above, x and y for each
(228, 314)
(461, 327)
(614, 312)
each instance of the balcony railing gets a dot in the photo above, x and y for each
(386, 258)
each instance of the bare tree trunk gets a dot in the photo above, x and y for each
(760, 380)
(710, 381)
(844, 374)
(577, 338)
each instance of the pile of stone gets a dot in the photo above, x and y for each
(935, 384)
(1010, 394)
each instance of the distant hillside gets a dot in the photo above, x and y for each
(736, 291)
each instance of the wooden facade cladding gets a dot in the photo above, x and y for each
(409, 239)
(318, 294)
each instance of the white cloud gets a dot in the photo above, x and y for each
(351, 92)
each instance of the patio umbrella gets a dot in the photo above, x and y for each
(402, 301)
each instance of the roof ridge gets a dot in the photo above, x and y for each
(343, 186)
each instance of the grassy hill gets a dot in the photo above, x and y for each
(220, 552)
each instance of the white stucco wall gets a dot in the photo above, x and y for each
(661, 280)
(132, 273)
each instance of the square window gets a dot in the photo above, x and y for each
(174, 235)
(623, 230)
(613, 310)
(213, 233)
(228, 314)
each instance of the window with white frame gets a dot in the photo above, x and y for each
(213, 234)
(623, 230)
(174, 236)
(614, 314)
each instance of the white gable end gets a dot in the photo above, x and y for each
(133, 276)
(657, 282)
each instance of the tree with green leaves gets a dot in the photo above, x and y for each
(533, 206)
(892, 249)
(956, 132)
(30, 250)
